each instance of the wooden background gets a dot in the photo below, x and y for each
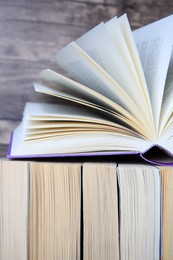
(32, 31)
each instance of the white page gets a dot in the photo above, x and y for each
(115, 31)
(124, 120)
(115, 117)
(39, 112)
(75, 89)
(167, 131)
(72, 89)
(74, 60)
(66, 88)
(71, 59)
(154, 43)
(127, 33)
(130, 41)
(167, 104)
(98, 44)
(166, 140)
(87, 142)
(61, 112)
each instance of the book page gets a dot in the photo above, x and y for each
(90, 74)
(98, 44)
(77, 142)
(123, 120)
(66, 88)
(116, 33)
(154, 43)
(71, 88)
(73, 59)
(166, 137)
(167, 106)
(64, 130)
(128, 36)
(61, 112)
(41, 115)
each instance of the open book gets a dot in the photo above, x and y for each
(118, 102)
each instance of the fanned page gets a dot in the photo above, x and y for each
(56, 129)
(100, 47)
(87, 71)
(131, 45)
(154, 43)
(166, 117)
(119, 99)
(57, 85)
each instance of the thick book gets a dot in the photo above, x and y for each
(167, 212)
(100, 211)
(117, 101)
(14, 201)
(139, 212)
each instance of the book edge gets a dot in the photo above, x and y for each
(94, 154)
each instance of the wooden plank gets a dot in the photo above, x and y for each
(16, 86)
(148, 2)
(35, 31)
(141, 15)
(61, 12)
(34, 41)
(3, 150)
(105, 2)
(6, 128)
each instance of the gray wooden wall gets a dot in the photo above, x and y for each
(32, 31)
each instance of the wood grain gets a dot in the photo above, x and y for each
(152, 3)
(61, 12)
(140, 15)
(3, 150)
(104, 2)
(17, 79)
(21, 40)
(6, 128)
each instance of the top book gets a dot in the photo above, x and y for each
(119, 100)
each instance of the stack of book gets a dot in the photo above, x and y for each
(85, 211)
(118, 103)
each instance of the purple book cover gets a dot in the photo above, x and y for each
(155, 154)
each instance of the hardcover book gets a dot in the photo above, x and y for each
(117, 101)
